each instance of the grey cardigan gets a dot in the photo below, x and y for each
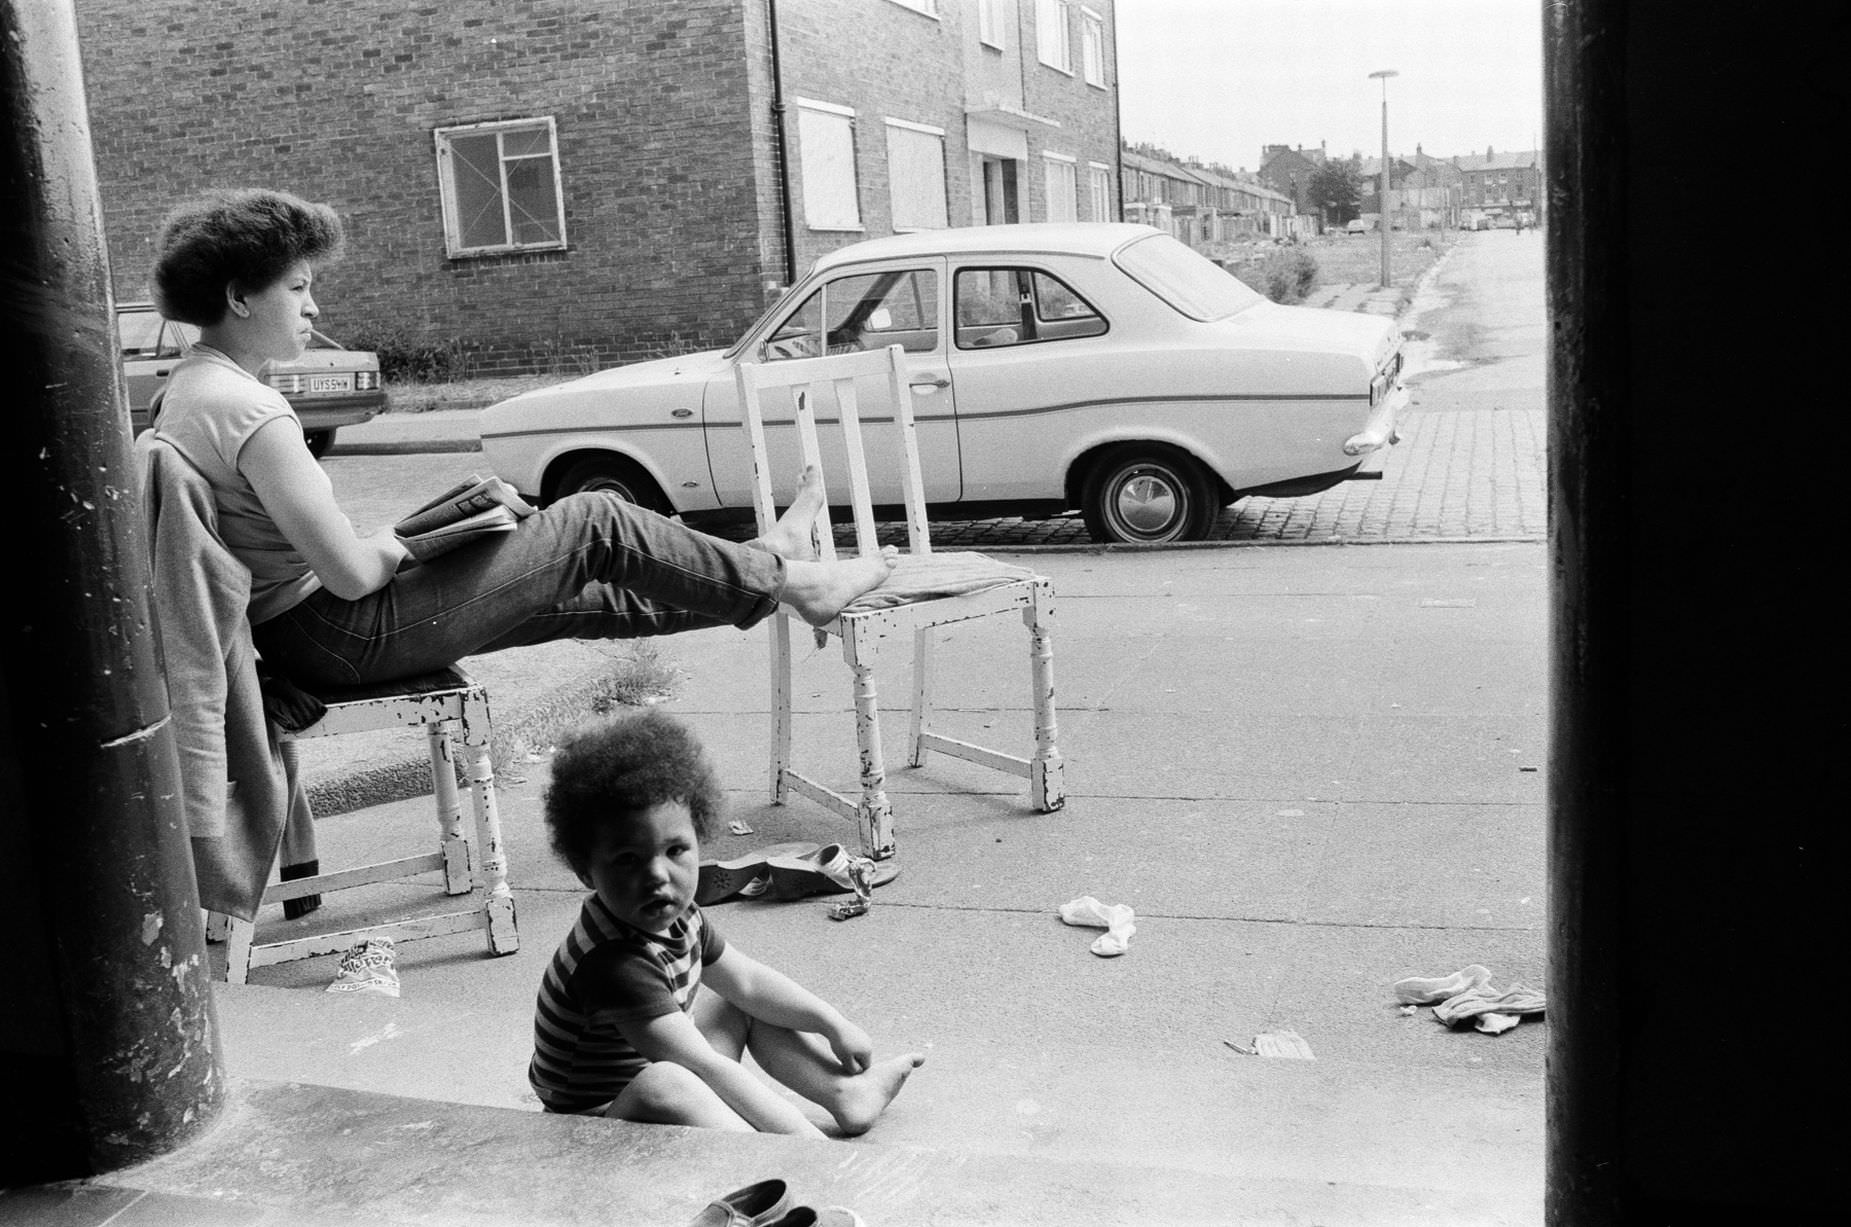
(239, 793)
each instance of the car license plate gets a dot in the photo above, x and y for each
(330, 383)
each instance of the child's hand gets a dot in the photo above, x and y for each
(852, 1047)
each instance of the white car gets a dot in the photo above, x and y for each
(1098, 366)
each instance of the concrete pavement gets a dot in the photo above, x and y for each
(1311, 772)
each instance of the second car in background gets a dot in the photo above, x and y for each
(329, 386)
(1098, 366)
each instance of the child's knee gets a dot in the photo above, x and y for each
(665, 1093)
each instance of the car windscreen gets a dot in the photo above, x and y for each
(1188, 281)
(140, 332)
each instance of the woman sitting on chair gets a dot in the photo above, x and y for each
(330, 607)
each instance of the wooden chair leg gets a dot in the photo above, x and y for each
(875, 812)
(1047, 789)
(922, 695)
(238, 937)
(491, 858)
(781, 692)
(455, 845)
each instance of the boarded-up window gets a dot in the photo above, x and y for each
(916, 176)
(826, 141)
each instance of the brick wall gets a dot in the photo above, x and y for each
(1087, 114)
(668, 162)
(336, 100)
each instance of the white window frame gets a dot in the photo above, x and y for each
(991, 31)
(933, 198)
(826, 206)
(1099, 190)
(1092, 47)
(454, 246)
(1058, 170)
(1054, 35)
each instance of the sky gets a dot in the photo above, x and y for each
(1220, 79)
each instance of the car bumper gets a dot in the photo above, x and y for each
(1380, 430)
(329, 412)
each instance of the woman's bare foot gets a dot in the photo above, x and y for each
(792, 536)
(818, 591)
(864, 1097)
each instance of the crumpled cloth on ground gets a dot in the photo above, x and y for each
(925, 577)
(1468, 995)
(1116, 919)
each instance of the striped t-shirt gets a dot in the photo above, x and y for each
(608, 972)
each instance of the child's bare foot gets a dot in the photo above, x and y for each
(818, 591)
(865, 1096)
(791, 537)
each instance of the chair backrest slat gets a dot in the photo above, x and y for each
(804, 379)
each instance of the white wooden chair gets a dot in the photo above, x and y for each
(472, 861)
(926, 591)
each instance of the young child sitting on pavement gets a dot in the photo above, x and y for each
(622, 1028)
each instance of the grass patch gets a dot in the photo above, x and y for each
(1352, 259)
(637, 677)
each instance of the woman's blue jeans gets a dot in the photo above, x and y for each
(591, 566)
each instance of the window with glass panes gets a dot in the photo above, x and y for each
(500, 187)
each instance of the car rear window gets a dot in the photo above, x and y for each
(1188, 281)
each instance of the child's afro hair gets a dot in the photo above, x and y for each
(622, 765)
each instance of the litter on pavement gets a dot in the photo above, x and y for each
(368, 968)
(1467, 996)
(1116, 919)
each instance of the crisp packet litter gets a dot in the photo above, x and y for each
(367, 968)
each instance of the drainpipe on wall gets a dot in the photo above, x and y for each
(782, 145)
(1118, 120)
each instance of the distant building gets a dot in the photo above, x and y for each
(1502, 184)
(1202, 205)
(1289, 170)
(562, 184)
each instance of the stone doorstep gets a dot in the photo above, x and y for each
(321, 1157)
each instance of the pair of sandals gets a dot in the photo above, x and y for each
(784, 872)
(768, 1204)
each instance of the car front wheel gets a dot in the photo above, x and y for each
(1148, 494)
(319, 441)
(617, 474)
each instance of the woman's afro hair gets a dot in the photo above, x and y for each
(248, 237)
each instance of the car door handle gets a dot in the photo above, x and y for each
(936, 381)
(681, 413)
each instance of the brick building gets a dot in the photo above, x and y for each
(563, 184)
(1502, 184)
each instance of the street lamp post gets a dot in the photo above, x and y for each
(1382, 201)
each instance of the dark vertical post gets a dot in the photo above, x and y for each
(114, 1058)
(1587, 372)
(1695, 499)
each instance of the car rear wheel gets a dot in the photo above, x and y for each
(1148, 494)
(617, 474)
(319, 441)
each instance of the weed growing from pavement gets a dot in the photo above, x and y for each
(637, 676)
